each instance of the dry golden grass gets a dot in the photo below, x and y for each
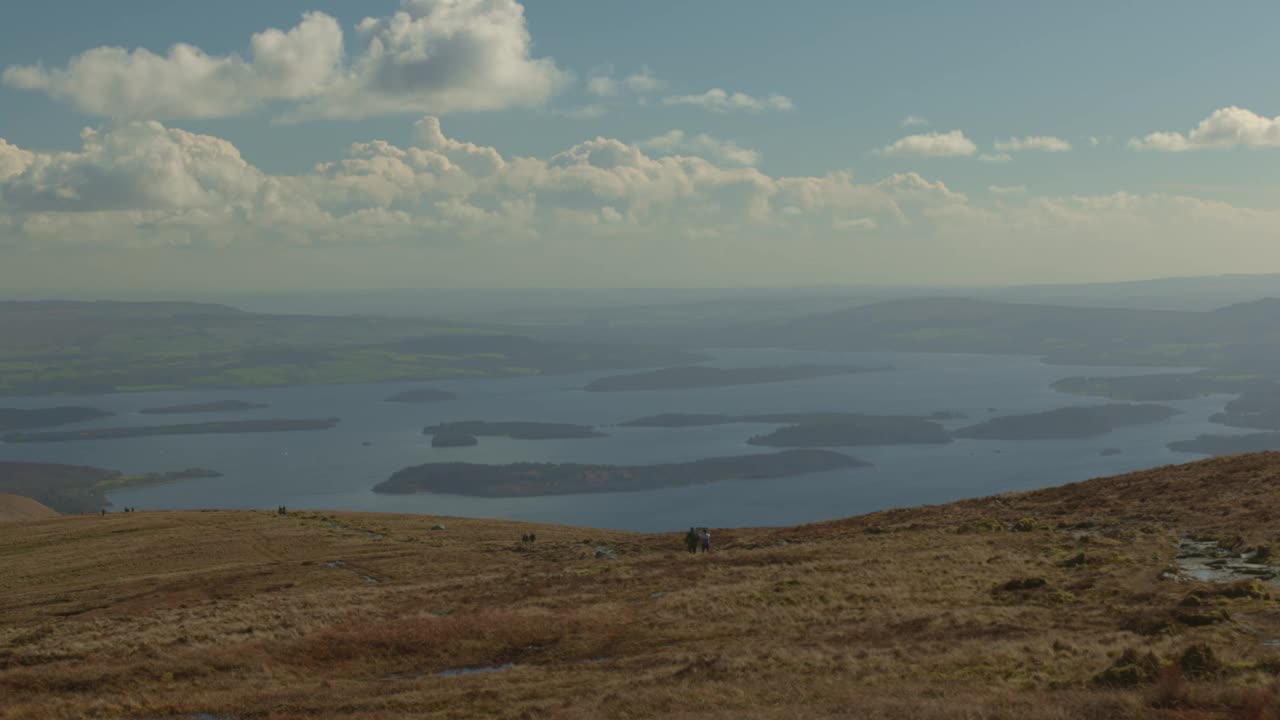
(16, 508)
(900, 614)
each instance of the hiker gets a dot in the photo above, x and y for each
(533, 537)
(691, 541)
(524, 538)
(706, 540)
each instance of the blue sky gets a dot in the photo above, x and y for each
(798, 181)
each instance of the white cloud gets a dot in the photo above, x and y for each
(995, 157)
(604, 84)
(725, 151)
(1042, 143)
(1007, 189)
(186, 82)
(13, 159)
(914, 121)
(1227, 127)
(430, 56)
(934, 144)
(719, 100)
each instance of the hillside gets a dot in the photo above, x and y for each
(1011, 607)
(17, 508)
(53, 347)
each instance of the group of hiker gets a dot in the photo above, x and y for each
(528, 538)
(695, 539)
(282, 510)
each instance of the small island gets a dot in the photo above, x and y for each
(1068, 422)
(422, 395)
(818, 429)
(532, 479)
(209, 407)
(701, 376)
(854, 430)
(453, 439)
(513, 430)
(209, 428)
(23, 419)
(1228, 444)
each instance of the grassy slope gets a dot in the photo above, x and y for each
(17, 508)
(888, 615)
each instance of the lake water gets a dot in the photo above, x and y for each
(334, 469)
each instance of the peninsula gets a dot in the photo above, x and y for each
(530, 479)
(701, 376)
(79, 488)
(23, 419)
(514, 430)
(209, 407)
(1068, 422)
(1228, 444)
(819, 429)
(208, 428)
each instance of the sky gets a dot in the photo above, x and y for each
(313, 144)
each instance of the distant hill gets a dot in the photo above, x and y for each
(128, 347)
(1239, 337)
(17, 508)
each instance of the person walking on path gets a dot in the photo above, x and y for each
(706, 540)
(691, 541)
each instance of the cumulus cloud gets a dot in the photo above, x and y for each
(1043, 143)
(720, 100)
(934, 144)
(1227, 127)
(724, 151)
(187, 82)
(13, 159)
(604, 84)
(429, 56)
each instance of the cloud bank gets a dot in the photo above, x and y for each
(674, 209)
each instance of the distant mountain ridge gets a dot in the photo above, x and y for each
(1240, 336)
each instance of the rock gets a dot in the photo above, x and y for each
(437, 526)
(657, 595)
(604, 552)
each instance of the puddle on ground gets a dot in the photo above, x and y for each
(339, 565)
(474, 670)
(1207, 561)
